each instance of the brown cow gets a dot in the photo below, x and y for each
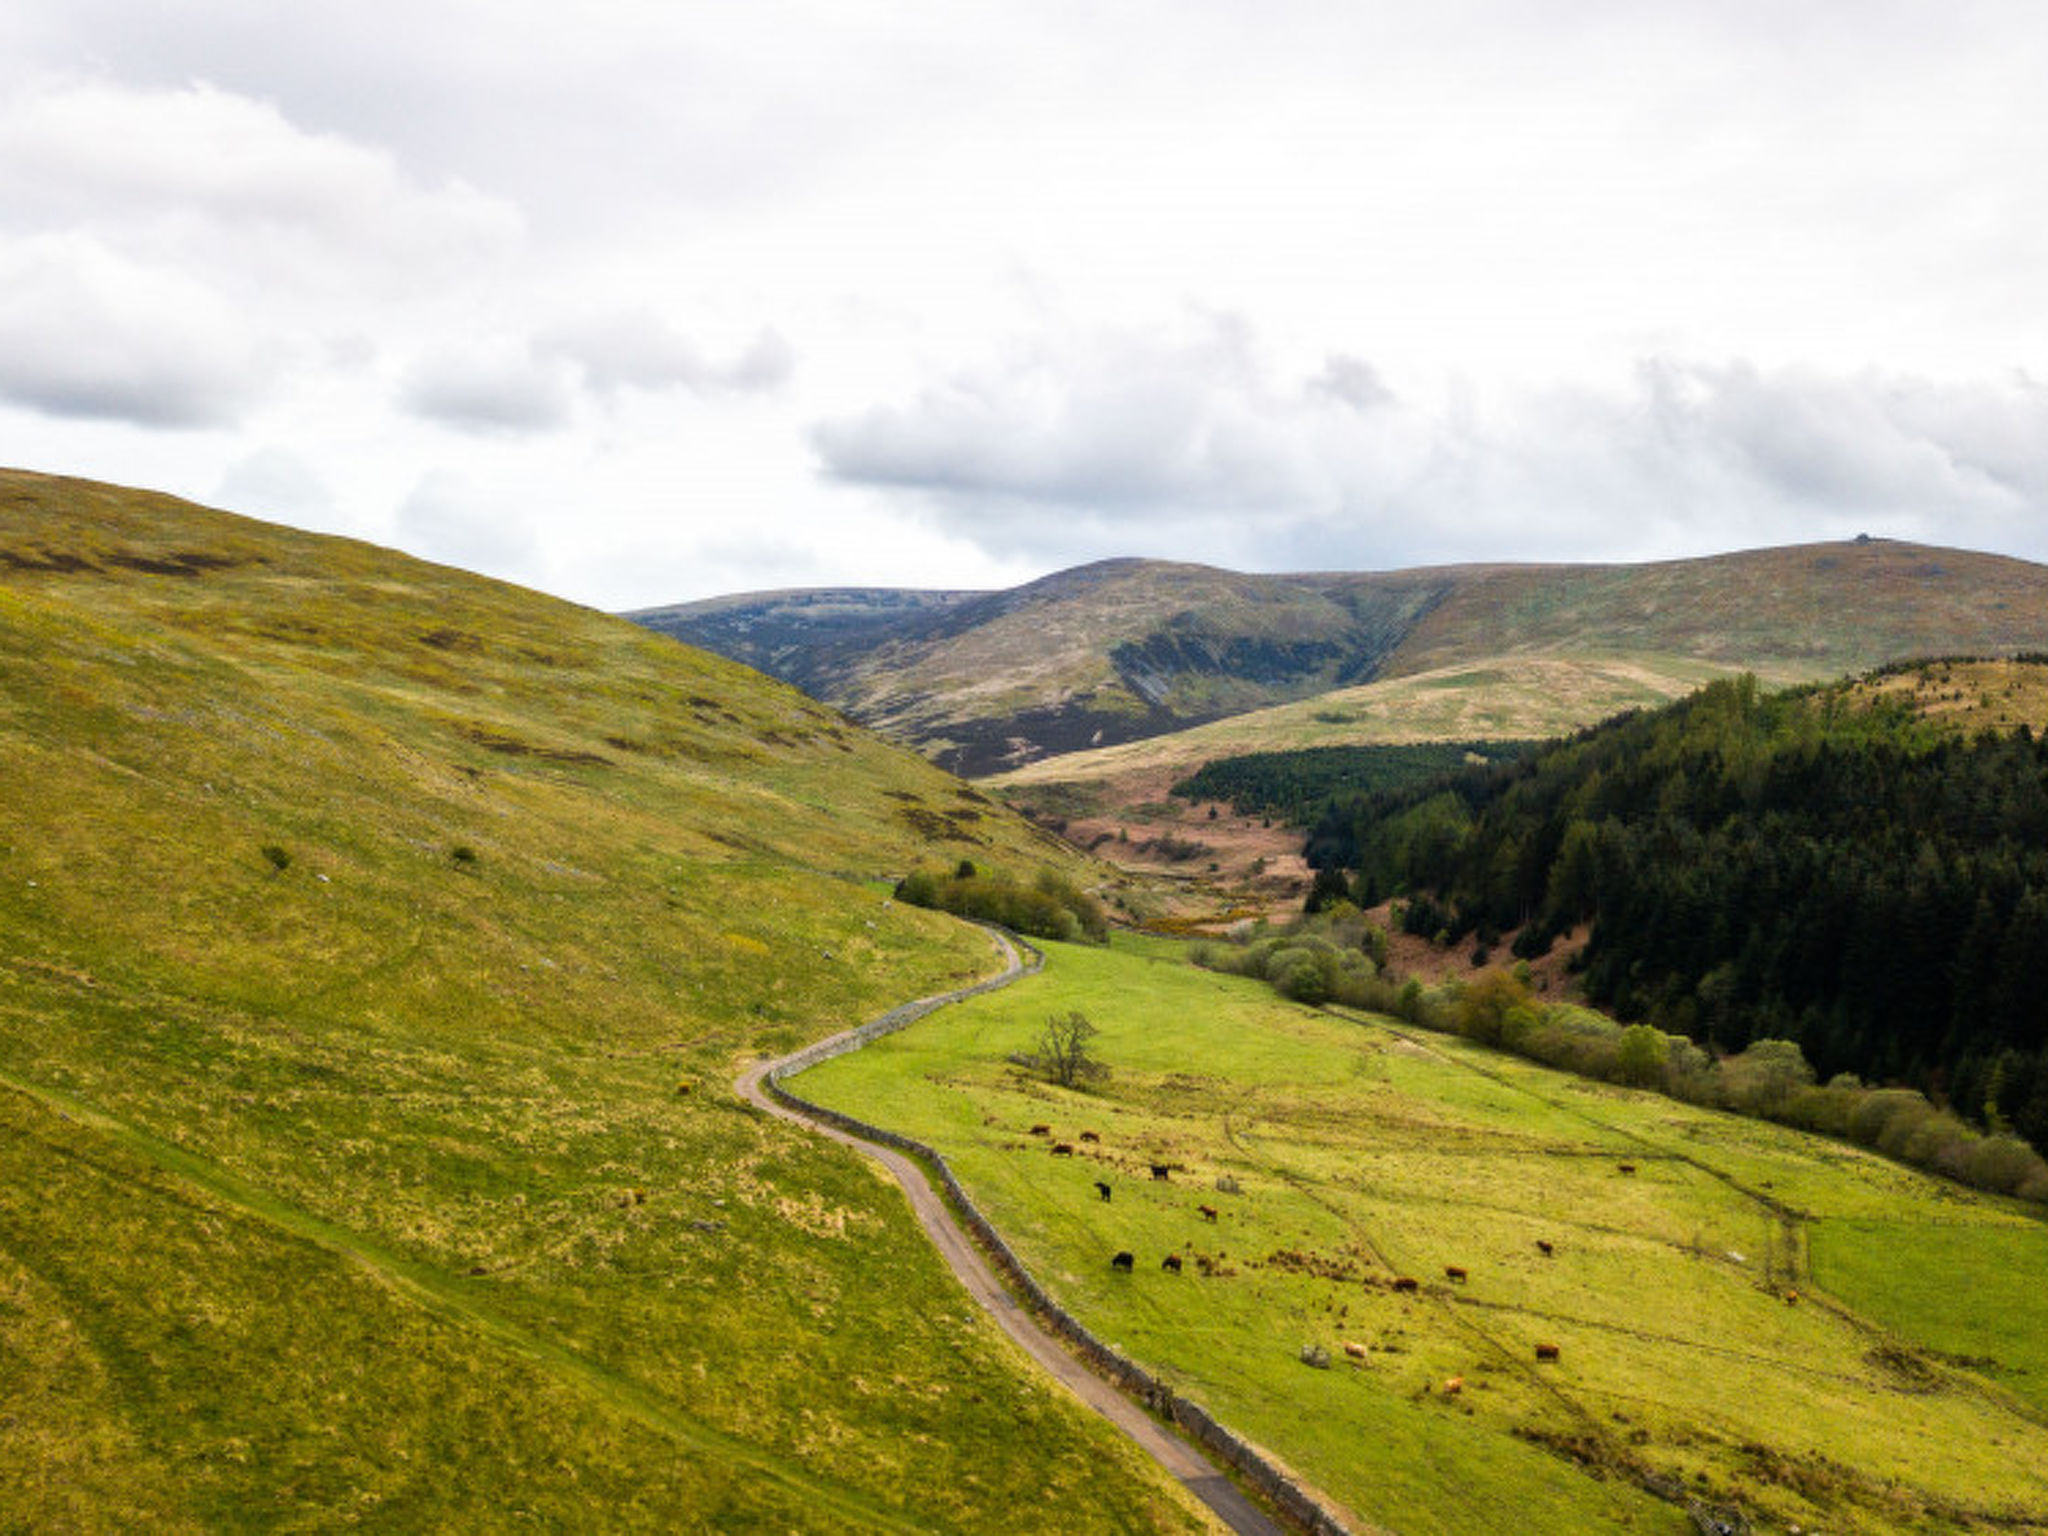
(1090, 1136)
(1454, 1386)
(1171, 1262)
(1208, 1212)
(1546, 1352)
(1628, 1167)
(1544, 1247)
(1355, 1351)
(1063, 1149)
(1041, 1130)
(1455, 1272)
(1407, 1283)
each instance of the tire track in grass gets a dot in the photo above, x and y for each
(445, 1297)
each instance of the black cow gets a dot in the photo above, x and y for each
(1122, 1261)
(1102, 1189)
(1171, 1263)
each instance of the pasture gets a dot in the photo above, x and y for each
(1750, 1317)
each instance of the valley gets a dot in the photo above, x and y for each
(379, 945)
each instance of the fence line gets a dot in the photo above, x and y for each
(1286, 1494)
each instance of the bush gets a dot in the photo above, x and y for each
(1050, 908)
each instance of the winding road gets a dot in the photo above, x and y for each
(1183, 1461)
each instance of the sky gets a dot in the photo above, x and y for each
(642, 301)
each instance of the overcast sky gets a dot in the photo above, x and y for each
(637, 301)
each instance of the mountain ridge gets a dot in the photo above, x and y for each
(1122, 650)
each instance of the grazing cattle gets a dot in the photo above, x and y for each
(1171, 1262)
(1090, 1136)
(1455, 1272)
(1102, 1189)
(1041, 1130)
(1628, 1167)
(1543, 1247)
(1791, 1298)
(1355, 1351)
(1407, 1283)
(1453, 1386)
(1161, 1170)
(1063, 1149)
(1122, 1261)
(1208, 1212)
(1546, 1351)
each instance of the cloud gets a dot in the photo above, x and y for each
(1149, 425)
(1112, 443)
(639, 349)
(207, 171)
(86, 332)
(497, 388)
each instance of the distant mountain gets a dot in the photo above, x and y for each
(1128, 649)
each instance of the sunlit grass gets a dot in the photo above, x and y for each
(1361, 1154)
(395, 1175)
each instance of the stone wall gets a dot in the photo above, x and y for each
(1219, 1442)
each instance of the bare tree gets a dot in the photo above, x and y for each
(1064, 1054)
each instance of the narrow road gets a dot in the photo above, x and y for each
(1182, 1460)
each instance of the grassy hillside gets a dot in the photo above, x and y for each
(377, 945)
(1906, 1388)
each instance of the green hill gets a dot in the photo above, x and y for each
(377, 944)
(1127, 650)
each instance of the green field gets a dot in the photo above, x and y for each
(1901, 1390)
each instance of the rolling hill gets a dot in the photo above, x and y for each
(1130, 649)
(377, 946)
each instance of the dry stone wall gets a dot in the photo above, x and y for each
(1286, 1495)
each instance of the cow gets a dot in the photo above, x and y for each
(1546, 1351)
(1063, 1149)
(1102, 1189)
(1208, 1212)
(1090, 1136)
(1123, 1261)
(1455, 1272)
(1791, 1298)
(1407, 1283)
(1628, 1167)
(1171, 1263)
(1041, 1130)
(1544, 1247)
(1355, 1351)
(1160, 1171)
(1453, 1386)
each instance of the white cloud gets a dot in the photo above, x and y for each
(1198, 446)
(640, 349)
(499, 387)
(1324, 283)
(231, 181)
(86, 332)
